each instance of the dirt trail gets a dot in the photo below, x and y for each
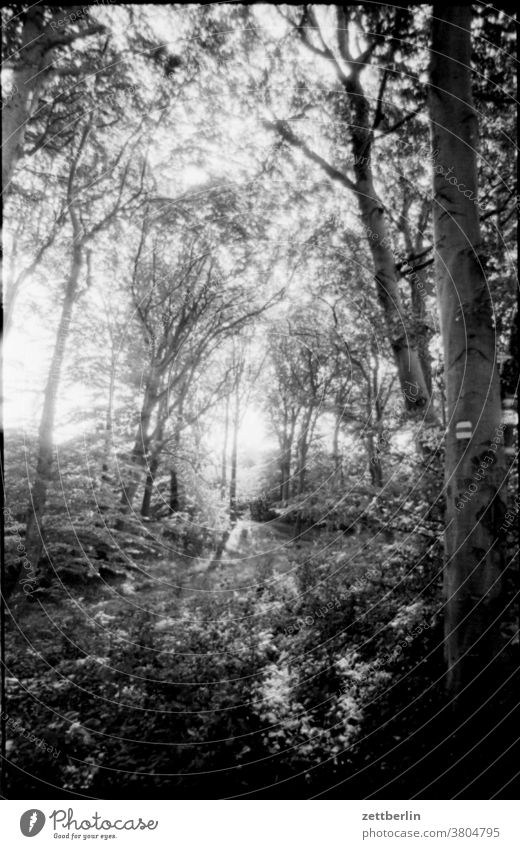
(251, 545)
(254, 554)
(251, 554)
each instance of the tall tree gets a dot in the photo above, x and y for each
(361, 120)
(474, 454)
(87, 218)
(34, 38)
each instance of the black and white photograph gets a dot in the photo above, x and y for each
(260, 417)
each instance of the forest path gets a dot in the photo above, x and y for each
(251, 546)
(250, 556)
(162, 588)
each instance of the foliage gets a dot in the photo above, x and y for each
(204, 687)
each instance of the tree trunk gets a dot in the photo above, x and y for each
(286, 475)
(398, 326)
(509, 382)
(336, 455)
(234, 455)
(420, 283)
(421, 326)
(107, 448)
(174, 492)
(399, 330)
(27, 83)
(148, 487)
(141, 443)
(283, 479)
(304, 441)
(282, 441)
(374, 462)
(302, 463)
(474, 471)
(286, 439)
(223, 475)
(45, 460)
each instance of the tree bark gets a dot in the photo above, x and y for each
(234, 455)
(142, 441)
(107, 447)
(148, 487)
(474, 470)
(374, 462)
(286, 475)
(336, 454)
(286, 439)
(422, 328)
(420, 283)
(399, 329)
(174, 491)
(27, 83)
(155, 445)
(303, 450)
(223, 475)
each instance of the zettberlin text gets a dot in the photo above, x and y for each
(388, 815)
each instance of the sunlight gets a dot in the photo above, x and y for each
(192, 175)
(253, 436)
(253, 439)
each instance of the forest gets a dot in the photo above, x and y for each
(260, 346)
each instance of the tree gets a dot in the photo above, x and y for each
(284, 408)
(30, 240)
(237, 368)
(35, 35)
(361, 121)
(474, 546)
(188, 300)
(86, 220)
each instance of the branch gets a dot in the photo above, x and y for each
(423, 265)
(327, 52)
(398, 124)
(498, 210)
(62, 39)
(387, 396)
(287, 135)
(301, 29)
(379, 114)
(424, 215)
(71, 194)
